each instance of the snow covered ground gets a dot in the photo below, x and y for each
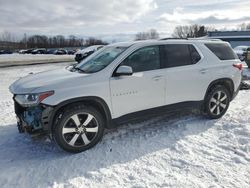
(179, 151)
(13, 59)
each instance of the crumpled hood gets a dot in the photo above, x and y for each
(42, 81)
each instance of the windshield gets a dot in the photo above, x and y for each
(100, 59)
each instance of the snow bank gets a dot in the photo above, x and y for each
(178, 151)
(14, 59)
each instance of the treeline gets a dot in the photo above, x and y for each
(195, 30)
(58, 41)
(147, 35)
(9, 40)
(43, 41)
(186, 31)
(191, 31)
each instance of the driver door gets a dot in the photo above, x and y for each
(144, 89)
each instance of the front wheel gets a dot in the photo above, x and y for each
(217, 102)
(80, 128)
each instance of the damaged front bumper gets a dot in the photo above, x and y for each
(33, 120)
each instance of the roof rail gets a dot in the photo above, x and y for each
(208, 39)
(174, 39)
(214, 39)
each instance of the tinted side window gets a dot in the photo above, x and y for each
(222, 51)
(195, 56)
(144, 59)
(180, 55)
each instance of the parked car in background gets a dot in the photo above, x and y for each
(50, 51)
(126, 81)
(39, 51)
(247, 58)
(5, 52)
(60, 52)
(71, 52)
(82, 54)
(241, 52)
(26, 51)
(22, 51)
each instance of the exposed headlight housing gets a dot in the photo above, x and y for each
(30, 100)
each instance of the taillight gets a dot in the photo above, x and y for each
(238, 66)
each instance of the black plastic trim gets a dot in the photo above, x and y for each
(158, 111)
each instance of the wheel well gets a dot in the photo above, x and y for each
(97, 103)
(228, 83)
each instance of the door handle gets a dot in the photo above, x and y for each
(156, 78)
(203, 71)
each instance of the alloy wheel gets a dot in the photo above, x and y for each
(80, 129)
(218, 103)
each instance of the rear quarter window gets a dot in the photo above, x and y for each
(176, 55)
(222, 50)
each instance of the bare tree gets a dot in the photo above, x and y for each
(7, 36)
(244, 26)
(190, 31)
(93, 41)
(151, 34)
(24, 41)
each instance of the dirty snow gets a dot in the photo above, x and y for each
(180, 151)
(12, 59)
(31, 57)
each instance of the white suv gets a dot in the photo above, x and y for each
(124, 81)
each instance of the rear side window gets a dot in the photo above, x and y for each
(195, 56)
(176, 55)
(222, 51)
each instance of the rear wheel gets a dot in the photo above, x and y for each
(217, 102)
(80, 128)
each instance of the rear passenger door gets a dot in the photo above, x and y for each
(186, 76)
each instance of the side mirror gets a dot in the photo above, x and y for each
(124, 71)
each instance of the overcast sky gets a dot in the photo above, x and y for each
(112, 17)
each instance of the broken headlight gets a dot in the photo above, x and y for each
(29, 100)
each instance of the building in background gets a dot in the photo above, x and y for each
(235, 38)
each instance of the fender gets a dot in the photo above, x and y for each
(88, 100)
(228, 82)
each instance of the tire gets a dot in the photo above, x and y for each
(217, 102)
(79, 128)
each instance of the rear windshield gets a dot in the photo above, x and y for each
(222, 50)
